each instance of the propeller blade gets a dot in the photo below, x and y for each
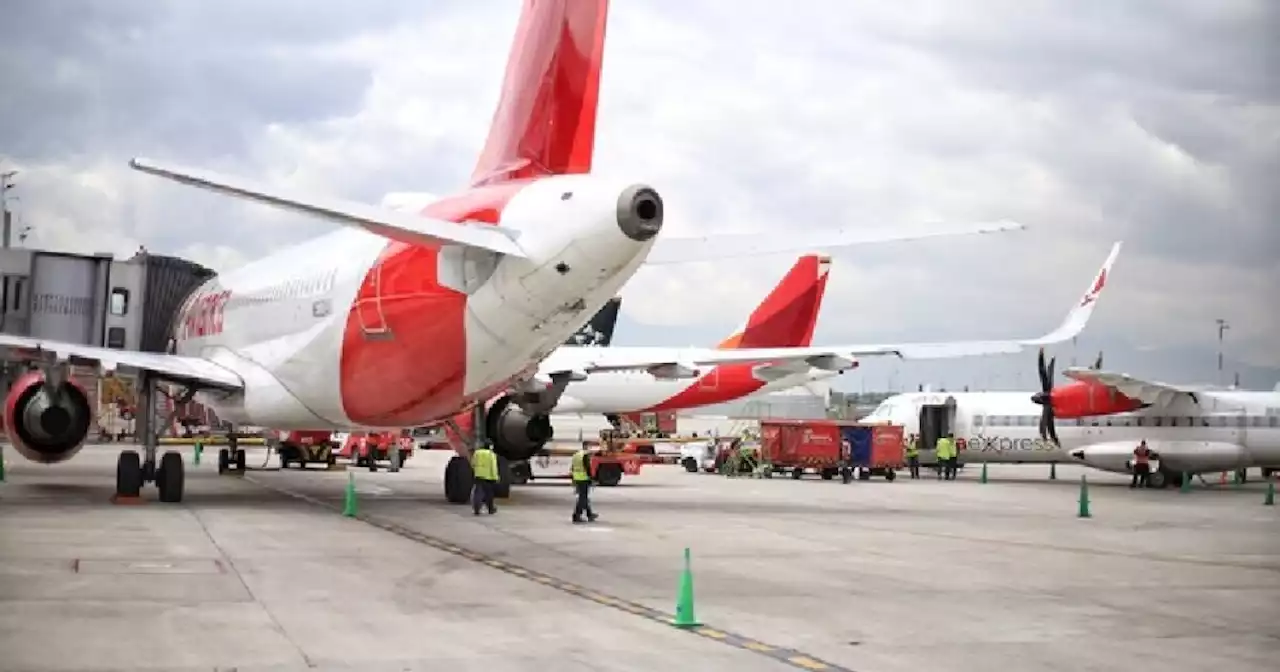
(1049, 383)
(1045, 381)
(1053, 434)
(1097, 365)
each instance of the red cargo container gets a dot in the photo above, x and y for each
(798, 445)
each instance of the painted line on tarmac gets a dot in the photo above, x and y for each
(790, 657)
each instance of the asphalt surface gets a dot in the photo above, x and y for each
(261, 572)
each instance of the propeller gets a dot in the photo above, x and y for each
(1097, 365)
(1045, 399)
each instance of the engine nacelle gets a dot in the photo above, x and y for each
(45, 423)
(1082, 399)
(1177, 456)
(516, 435)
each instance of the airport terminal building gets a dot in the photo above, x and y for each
(95, 300)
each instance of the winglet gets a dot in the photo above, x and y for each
(1080, 313)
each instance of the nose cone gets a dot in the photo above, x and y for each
(1040, 398)
(640, 212)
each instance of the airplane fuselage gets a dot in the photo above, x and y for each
(641, 392)
(1226, 430)
(352, 330)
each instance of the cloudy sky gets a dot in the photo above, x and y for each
(1156, 123)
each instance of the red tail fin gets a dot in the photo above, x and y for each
(788, 316)
(545, 123)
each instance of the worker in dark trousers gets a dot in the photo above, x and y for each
(913, 455)
(484, 464)
(945, 455)
(581, 486)
(846, 461)
(1141, 466)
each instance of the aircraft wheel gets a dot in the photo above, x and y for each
(240, 460)
(521, 473)
(502, 489)
(128, 474)
(171, 477)
(224, 460)
(609, 474)
(458, 480)
(690, 465)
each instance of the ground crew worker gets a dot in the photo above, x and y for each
(581, 486)
(846, 461)
(913, 455)
(1141, 465)
(946, 450)
(484, 464)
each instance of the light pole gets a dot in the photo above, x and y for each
(1222, 329)
(6, 183)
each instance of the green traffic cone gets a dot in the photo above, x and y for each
(1269, 501)
(1084, 499)
(983, 478)
(1236, 481)
(684, 601)
(195, 459)
(1053, 471)
(1, 466)
(349, 507)
(1185, 486)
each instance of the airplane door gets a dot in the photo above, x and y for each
(368, 307)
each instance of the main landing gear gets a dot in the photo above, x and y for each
(133, 470)
(459, 479)
(231, 458)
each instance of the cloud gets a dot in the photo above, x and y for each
(1155, 124)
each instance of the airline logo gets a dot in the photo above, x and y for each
(1092, 294)
(202, 316)
(588, 335)
(1004, 444)
(813, 437)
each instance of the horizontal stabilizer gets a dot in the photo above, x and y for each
(399, 226)
(669, 250)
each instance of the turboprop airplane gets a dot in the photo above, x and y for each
(402, 318)
(782, 324)
(1098, 420)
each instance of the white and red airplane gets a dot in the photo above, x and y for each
(784, 324)
(401, 318)
(1098, 420)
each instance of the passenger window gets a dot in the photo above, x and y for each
(119, 301)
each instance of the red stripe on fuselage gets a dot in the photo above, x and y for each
(786, 318)
(418, 373)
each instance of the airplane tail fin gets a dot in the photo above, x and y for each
(545, 122)
(788, 315)
(1080, 313)
(598, 331)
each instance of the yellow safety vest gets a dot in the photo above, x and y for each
(578, 467)
(913, 449)
(946, 449)
(484, 464)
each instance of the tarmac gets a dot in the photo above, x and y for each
(261, 572)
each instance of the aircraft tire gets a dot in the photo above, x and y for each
(502, 489)
(224, 460)
(458, 480)
(171, 477)
(128, 474)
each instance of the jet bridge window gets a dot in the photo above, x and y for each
(119, 301)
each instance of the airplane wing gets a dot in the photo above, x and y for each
(174, 368)
(391, 224)
(1146, 391)
(670, 362)
(673, 250)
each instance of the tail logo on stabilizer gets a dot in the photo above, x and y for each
(1092, 294)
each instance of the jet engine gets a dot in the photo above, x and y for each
(46, 422)
(515, 434)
